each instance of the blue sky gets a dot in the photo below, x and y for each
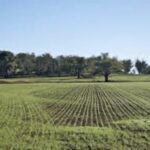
(80, 27)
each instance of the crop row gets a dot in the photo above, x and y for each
(95, 105)
(21, 119)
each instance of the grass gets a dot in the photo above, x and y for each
(112, 78)
(59, 113)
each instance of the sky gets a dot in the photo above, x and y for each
(76, 27)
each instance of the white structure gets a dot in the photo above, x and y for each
(133, 70)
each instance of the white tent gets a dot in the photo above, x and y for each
(133, 70)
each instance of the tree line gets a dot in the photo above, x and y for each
(25, 64)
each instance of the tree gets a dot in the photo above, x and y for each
(92, 65)
(141, 66)
(66, 65)
(44, 65)
(109, 65)
(6, 63)
(127, 64)
(79, 66)
(106, 68)
(147, 70)
(25, 63)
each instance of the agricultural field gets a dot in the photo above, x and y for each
(63, 114)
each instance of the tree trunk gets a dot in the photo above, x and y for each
(106, 77)
(78, 74)
(6, 74)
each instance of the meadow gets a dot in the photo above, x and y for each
(75, 114)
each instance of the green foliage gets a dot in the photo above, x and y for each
(6, 63)
(141, 66)
(45, 65)
(24, 64)
(127, 64)
(109, 65)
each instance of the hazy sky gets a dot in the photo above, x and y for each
(80, 27)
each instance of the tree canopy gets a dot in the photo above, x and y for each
(23, 64)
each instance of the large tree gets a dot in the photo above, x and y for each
(66, 65)
(92, 65)
(25, 63)
(80, 63)
(7, 63)
(141, 66)
(109, 65)
(127, 64)
(45, 64)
